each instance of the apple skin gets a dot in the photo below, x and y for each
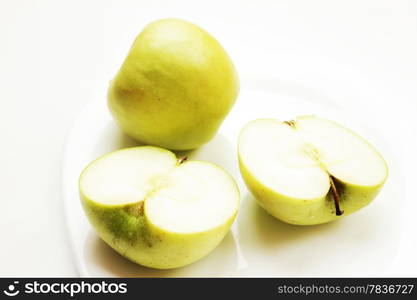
(127, 230)
(175, 87)
(312, 211)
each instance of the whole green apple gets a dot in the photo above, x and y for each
(309, 170)
(175, 87)
(157, 210)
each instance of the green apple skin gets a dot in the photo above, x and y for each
(312, 211)
(175, 87)
(126, 229)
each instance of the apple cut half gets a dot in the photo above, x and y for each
(155, 209)
(309, 170)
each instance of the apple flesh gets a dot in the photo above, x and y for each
(174, 88)
(309, 170)
(157, 210)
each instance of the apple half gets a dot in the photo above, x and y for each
(309, 170)
(157, 210)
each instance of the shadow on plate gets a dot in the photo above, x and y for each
(113, 138)
(107, 262)
(256, 223)
(218, 151)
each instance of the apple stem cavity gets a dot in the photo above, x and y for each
(336, 196)
(182, 160)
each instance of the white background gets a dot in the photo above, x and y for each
(54, 55)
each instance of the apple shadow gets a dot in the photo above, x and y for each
(218, 151)
(107, 262)
(113, 138)
(257, 224)
(339, 248)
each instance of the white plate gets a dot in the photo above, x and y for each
(363, 244)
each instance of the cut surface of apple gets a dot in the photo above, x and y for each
(158, 210)
(309, 170)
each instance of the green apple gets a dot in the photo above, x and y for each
(175, 87)
(309, 170)
(157, 210)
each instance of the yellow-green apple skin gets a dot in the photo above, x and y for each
(288, 167)
(175, 87)
(155, 210)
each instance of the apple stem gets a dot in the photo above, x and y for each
(290, 123)
(182, 160)
(336, 197)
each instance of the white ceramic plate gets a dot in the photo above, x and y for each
(363, 244)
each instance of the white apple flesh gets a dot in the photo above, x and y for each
(157, 210)
(309, 170)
